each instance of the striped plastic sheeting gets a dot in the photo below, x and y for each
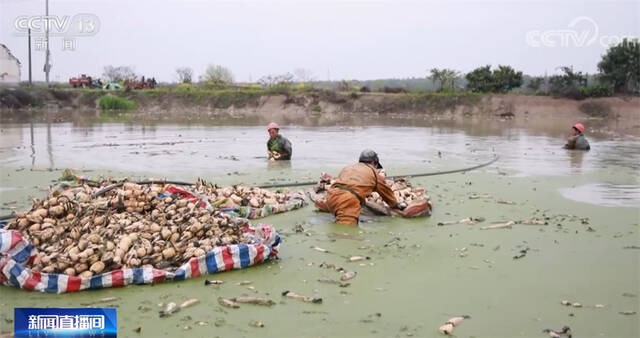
(296, 202)
(16, 254)
(253, 213)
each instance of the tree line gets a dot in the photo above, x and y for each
(618, 72)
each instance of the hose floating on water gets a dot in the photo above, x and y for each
(277, 185)
(300, 184)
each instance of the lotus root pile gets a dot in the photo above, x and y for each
(131, 226)
(402, 189)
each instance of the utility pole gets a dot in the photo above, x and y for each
(47, 65)
(29, 41)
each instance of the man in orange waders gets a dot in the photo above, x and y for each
(354, 184)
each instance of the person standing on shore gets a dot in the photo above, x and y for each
(354, 184)
(577, 139)
(278, 146)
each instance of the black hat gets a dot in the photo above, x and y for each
(368, 156)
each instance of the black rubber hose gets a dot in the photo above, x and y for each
(300, 184)
(6, 217)
(277, 185)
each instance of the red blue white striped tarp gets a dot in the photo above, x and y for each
(17, 254)
(267, 210)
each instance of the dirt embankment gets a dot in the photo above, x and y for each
(619, 115)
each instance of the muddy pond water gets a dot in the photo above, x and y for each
(420, 274)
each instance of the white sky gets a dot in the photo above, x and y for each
(343, 40)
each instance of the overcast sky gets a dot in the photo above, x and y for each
(332, 39)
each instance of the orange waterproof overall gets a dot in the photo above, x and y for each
(353, 185)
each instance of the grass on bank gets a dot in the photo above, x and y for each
(109, 102)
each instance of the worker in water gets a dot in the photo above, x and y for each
(278, 146)
(354, 184)
(577, 139)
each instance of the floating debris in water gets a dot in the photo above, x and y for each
(475, 196)
(472, 220)
(370, 318)
(189, 302)
(138, 329)
(253, 300)
(565, 331)
(319, 249)
(533, 221)
(256, 323)
(333, 281)
(101, 300)
(447, 223)
(306, 299)
(631, 247)
(298, 228)
(228, 303)
(307, 312)
(213, 282)
(244, 282)
(358, 258)
(346, 275)
(143, 308)
(448, 326)
(521, 254)
(627, 313)
(467, 220)
(506, 225)
(334, 235)
(393, 241)
(330, 266)
(170, 309)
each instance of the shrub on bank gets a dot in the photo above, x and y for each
(114, 102)
(596, 91)
(17, 98)
(596, 109)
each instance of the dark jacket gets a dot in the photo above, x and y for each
(578, 142)
(280, 145)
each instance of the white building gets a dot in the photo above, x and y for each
(9, 66)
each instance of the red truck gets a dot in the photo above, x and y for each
(85, 81)
(82, 81)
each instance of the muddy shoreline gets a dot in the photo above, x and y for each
(612, 115)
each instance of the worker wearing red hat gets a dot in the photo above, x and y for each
(278, 146)
(577, 139)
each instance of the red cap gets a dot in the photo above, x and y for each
(273, 125)
(579, 127)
